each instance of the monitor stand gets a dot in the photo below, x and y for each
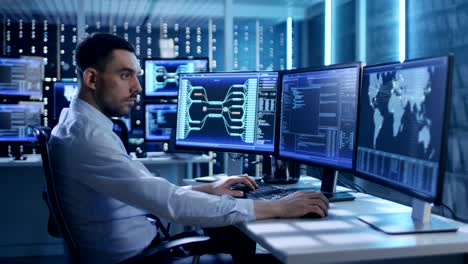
(278, 171)
(328, 188)
(419, 221)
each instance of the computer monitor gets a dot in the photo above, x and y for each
(227, 111)
(162, 75)
(21, 77)
(318, 117)
(159, 121)
(63, 94)
(402, 136)
(16, 121)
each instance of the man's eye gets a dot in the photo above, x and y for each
(125, 75)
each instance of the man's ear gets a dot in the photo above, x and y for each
(89, 78)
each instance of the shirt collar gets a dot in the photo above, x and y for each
(92, 113)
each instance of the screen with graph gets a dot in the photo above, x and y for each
(319, 115)
(159, 121)
(233, 111)
(17, 120)
(402, 132)
(162, 75)
(21, 77)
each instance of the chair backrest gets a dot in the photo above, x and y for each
(41, 134)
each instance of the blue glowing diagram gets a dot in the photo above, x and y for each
(162, 77)
(237, 109)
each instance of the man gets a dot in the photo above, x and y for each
(106, 195)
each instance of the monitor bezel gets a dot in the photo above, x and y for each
(234, 150)
(437, 199)
(356, 64)
(150, 97)
(143, 122)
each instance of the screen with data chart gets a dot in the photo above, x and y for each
(233, 111)
(17, 120)
(319, 115)
(160, 120)
(21, 77)
(162, 75)
(63, 94)
(402, 130)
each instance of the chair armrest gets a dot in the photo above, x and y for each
(168, 245)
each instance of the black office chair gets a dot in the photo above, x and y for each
(58, 225)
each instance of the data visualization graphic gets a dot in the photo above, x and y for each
(227, 110)
(402, 122)
(162, 76)
(160, 119)
(318, 115)
(17, 120)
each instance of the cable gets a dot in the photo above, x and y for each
(454, 216)
(352, 183)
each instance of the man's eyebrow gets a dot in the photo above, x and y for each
(128, 69)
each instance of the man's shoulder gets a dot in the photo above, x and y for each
(73, 128)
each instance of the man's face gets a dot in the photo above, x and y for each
(117, 85)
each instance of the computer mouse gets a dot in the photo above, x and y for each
(311, 215)
(241, 187)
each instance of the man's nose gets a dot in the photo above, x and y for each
(137, 87)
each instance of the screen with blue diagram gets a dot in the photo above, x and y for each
(232, 111)
(162, 76)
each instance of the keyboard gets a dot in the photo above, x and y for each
(270, 192)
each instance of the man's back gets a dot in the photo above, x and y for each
(106, 229)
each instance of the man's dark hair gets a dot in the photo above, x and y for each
(95, 50)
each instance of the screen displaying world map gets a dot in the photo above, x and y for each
(401, 122)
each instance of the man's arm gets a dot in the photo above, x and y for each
(294, 205)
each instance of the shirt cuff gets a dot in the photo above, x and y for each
(187, 187)
(246, 207)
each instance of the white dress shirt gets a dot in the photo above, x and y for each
(105, 194)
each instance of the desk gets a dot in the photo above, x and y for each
(341, 237)
(23, 221)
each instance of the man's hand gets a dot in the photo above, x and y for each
(223, 187)
(294, 205)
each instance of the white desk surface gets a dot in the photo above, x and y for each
(34, 160)
(342, 237)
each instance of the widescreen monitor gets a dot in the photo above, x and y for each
(21, 77)
(63, 94)
(17, 120)
(232, 111)
(318, 118)
(159, 121)
(162, 75)
(319, 115)
(403, 131)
